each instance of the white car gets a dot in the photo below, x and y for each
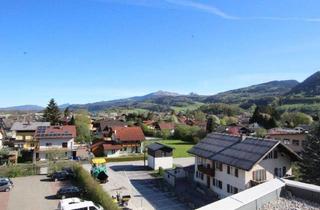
(77, 204)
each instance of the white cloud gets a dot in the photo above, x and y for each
(208, 8)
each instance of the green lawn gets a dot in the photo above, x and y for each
(189, 107)
(181, 147)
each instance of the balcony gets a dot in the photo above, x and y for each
(255, 183)
(208, 171)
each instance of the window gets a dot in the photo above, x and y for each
(217, 183)
(233, 171)
(286, 141)
(64, 144)
(295, 142)
(201, 176)
(48, 144)
(232, 189)
(219, 165)
(259, 175)
(220, 184)
(284, 171)
(272, 155)
(278, 172)
(275, 154)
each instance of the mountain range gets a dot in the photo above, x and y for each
(259, 94)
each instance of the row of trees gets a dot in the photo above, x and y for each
(268, 117)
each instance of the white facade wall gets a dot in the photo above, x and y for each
(170, 176)
(108, 153)
(163, 162)
(242, 182)
(1, 144)
(56, 143)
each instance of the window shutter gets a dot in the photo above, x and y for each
(236, 173)
(228, 169)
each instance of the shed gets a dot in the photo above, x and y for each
(160, 155)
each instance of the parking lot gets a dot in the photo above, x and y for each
(31, 193)
(131, 178)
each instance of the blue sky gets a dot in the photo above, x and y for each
(80, 51)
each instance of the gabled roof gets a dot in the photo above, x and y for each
(134, 133)
(234, 151)
(111, 123)
(28, 126)
(56, 132)
(158, 146)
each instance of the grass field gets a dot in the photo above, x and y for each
(181, 147)
(190, 107)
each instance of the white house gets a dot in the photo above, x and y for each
(229, 164)
(159, 155)
(55, 139)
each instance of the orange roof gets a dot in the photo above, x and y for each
(128, 133)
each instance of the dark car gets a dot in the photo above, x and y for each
(5, 185)
(59, 176)
(69, 192)
(69, 171)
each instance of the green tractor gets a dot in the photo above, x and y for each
(99, 169)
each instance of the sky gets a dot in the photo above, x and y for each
(81, 51)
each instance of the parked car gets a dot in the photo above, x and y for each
(69, 171)
(5, 185)
(77, 203)
(68, 192)
(59, 176)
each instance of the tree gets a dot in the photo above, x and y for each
(310, 164)
(294, 119)
(66, 113)
(212, 123)
(261, 132)
(199, 116)
(82, 122)
(265, 116)
(72, 121)
(52, 113)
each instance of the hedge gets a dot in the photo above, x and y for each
(126, 158)
(94, 190)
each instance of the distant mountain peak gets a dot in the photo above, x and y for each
(309, 87)
(163, 93)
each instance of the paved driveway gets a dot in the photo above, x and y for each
(131, 178)
(30, 193)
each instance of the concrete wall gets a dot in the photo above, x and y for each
(164, 162)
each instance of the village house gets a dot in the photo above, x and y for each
(103, 127)
(160, 155)
(23, 134)
(51, 139)
(165, 126)
(130, 138)
(293, 138)
(124, 141)
(229, 164)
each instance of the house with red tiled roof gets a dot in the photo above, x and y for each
(106, 149)
(130, 138)
(55, 139)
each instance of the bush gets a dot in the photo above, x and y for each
(94, 190)
(19, 170)
(126, 158)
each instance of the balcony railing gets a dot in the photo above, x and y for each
(255, 183)
(206, 170)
